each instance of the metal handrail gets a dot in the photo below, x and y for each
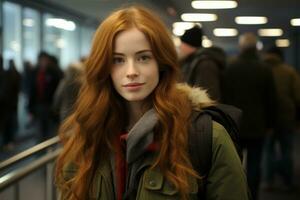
(29, 152)
(12, 177)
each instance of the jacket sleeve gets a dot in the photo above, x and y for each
(226, 179)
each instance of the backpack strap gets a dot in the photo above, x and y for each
(200, 147)
(200, 137)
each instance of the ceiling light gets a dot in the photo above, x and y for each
(185, 25)
(270, 32)
(282, 43)
(225, 32)
(61, 24)
(198, 17)
(180, 27)
(178, 31)
(295, 22)
(214, 4)
(251, 20)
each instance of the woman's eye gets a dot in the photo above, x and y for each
(144, 58)
(118, 60)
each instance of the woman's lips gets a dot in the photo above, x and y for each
(133, 86)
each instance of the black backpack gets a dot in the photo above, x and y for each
(200, 138)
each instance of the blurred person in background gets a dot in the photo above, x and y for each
(68, 89)
(28, 85)
(201, 67)
(3, 98)
(13, 84)
(287, 82)
(48, 76)
(249, 85)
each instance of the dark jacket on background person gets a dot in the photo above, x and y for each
(14, 87)
(203, 69)
(226, 178)
(287, 82)
(3, 96)
(249, 85)
(48, 79)
(66, 93)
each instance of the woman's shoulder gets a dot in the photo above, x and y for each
(222, 143)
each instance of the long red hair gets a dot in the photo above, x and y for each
(99, 114)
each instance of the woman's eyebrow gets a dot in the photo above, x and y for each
(138, 52)
(144, 51)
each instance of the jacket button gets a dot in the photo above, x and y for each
(152, 183)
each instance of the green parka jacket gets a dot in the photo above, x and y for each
(226, 179)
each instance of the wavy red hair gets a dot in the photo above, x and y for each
(100, 115)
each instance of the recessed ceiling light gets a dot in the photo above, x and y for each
(61, 24)
(185, 25)
(198, 17)
(270, 32)
(178, 31)
(282, 43)
(180, 27)
(225, 32)
(251, 20)
(214, 4)
(295, 22)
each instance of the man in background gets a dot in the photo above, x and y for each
(201, 67)
(249, 85)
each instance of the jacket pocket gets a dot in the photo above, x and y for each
(155, 186)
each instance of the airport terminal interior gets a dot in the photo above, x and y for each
(59, 34)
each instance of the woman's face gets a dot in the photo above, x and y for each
(135, 72)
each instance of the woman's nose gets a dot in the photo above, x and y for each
(132, 71)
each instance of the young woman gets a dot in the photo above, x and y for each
(128, 135)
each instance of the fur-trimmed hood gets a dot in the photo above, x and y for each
(199, 97)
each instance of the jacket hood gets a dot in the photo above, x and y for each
(198, 97)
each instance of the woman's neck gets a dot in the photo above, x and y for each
(135, 113)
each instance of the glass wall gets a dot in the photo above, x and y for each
(70, 51)
(31, 35)
(61, 38)
(12, 34)
(51, 37)
(27, 31)
(86, 40)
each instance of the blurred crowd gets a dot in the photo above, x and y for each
(47, 93)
